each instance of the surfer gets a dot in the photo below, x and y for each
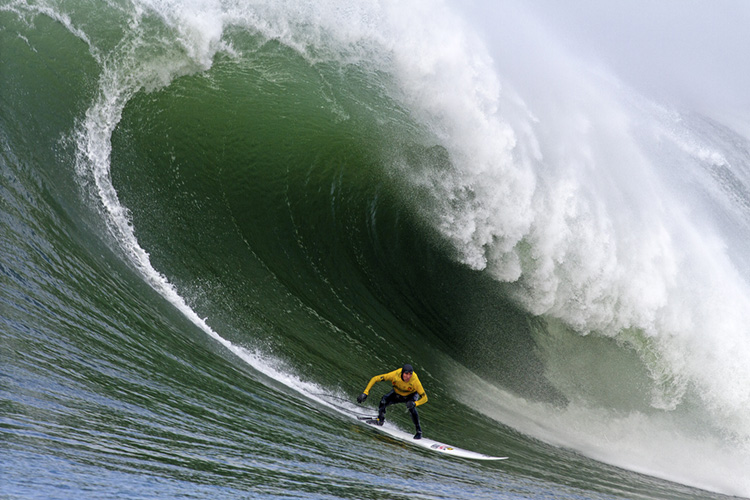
(406, 389)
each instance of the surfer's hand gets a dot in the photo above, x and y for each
(410, 404)
(361, 398)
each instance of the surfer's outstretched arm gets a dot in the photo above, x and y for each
(373, 381)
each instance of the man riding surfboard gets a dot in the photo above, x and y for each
(406, 389)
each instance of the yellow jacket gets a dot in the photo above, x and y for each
(402, 388)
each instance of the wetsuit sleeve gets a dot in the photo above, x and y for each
(373, 380)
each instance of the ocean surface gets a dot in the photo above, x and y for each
(220, 218)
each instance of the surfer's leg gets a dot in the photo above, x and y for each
(415, 418)
(386, 400)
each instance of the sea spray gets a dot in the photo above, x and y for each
(626, 241)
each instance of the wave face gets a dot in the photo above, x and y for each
(220, 219)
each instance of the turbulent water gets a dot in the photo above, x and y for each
(219, 219)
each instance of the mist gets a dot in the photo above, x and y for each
(687, 55)
(634, 204)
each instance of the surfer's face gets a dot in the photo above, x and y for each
(406, 376)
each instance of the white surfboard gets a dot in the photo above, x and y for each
(429, 444)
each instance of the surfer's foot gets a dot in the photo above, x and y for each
(418, 435)
(380, 421)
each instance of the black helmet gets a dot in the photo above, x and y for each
(407, 369)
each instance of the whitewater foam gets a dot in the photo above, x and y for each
(614, 242)
(597, 227)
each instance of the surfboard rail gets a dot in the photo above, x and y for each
(426, 443)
